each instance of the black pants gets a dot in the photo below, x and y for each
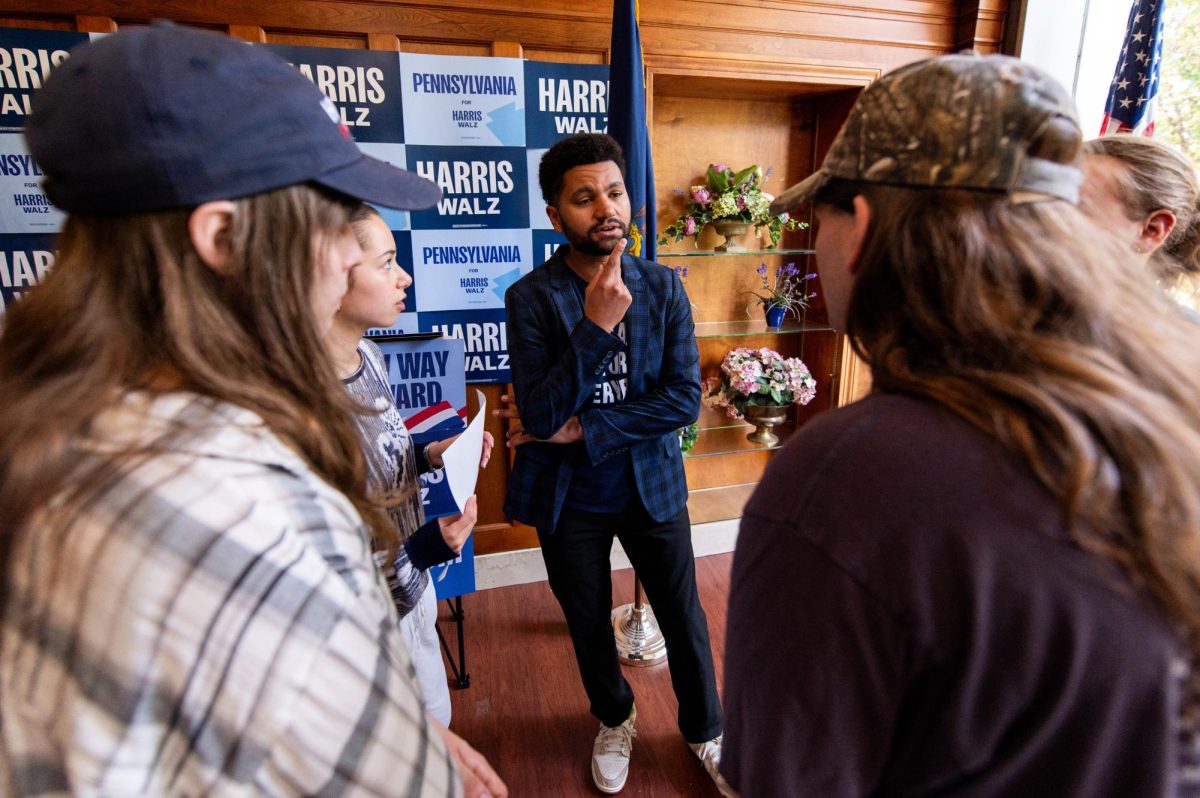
(577, 561)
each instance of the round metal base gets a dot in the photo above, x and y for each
(639, 641)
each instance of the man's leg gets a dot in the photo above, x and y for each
(577, 562)
(662, 556)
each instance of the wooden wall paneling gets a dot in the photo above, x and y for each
(307, 38)
(882, 33)
(568, 56)
(383, 41)
(57, 22)
(981, 25)
(507, 50)
(91, 24)
(249, 33)
(445, 48)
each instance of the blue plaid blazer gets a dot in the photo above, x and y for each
(557, 355)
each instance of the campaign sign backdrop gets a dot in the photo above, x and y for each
(394, 154)
(485, 335)
(471, 273)
(476, 126)
(426, 378)
(544, 244)
(482, 187)
(455, 577)
(405, 324)
(465, 100)
(561, 102)
(364, 86)
(24, 260)
(26, 59)
(24, 207)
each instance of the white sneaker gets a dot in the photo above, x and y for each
(610, 755)
(709, 754)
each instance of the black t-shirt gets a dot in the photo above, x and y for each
(607, 486)
(909, 616)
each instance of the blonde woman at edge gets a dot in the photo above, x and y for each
(1148, 193)
(374, 298)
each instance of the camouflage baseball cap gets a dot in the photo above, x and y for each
(956, 121)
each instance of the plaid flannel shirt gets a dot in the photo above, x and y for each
(557, 354)
(211, 622)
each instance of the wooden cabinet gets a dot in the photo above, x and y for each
(784, 126)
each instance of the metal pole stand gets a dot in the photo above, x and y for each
(639, 641)
(462, 679)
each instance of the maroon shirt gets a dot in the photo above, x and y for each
(909, 616)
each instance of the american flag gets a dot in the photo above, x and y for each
(1130, 106)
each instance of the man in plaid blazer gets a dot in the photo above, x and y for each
(605, 371)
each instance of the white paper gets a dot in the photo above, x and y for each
(461, 458)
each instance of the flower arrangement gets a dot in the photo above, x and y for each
(789, 290)
(730, 195)
(688, 436)
(758, 377)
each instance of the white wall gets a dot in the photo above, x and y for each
(1078, 42)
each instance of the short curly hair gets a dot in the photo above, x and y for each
(578, 150)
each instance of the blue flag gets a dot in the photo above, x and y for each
(627, 124)
(1131, 98)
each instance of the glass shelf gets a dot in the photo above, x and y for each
(719, 504)
(732, 440)
(709, 253)
(734, 329)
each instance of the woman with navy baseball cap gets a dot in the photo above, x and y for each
(189, 599)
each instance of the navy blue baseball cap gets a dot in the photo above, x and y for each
(162, 117)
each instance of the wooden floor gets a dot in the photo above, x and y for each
(526, 710)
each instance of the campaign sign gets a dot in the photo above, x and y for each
(24, 262)
(538, 219)
(563, 99)
(455, 577)
(485, 335)
(405, 324)
(468, 269)
(426, 378)
(404, 260)
(544, 244)
(24, 207)
(363, 85)
(464, 100)
(26, 59)
(393, 154)
(482, 187)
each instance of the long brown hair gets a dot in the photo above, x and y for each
(129, 305)
(1015, 317)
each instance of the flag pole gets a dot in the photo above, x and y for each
(639, 641)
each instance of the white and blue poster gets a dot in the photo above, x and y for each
(27, 219)
(428, 386)
(473, 272)
(364, 86)
(484, 333)
(560, 102)
(476, 126)
(463, 100)
(544, 244)
(24, 207)
(24, 261)
(482, 187)
(26, 59)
